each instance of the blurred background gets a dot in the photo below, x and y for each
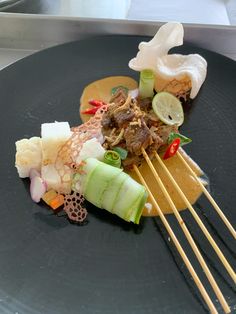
(218, 12)
(27, 26)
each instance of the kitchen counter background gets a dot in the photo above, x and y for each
(23, 34)
(220, 12)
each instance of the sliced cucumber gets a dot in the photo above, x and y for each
(127, 197)
(112, 190)
(99, 181)
(138, 208)
(90, 165)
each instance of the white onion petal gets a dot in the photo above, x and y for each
(134, 93)
(37, 188)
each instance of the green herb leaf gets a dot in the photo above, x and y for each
(183, 139)
(114, 89)
(121, 151)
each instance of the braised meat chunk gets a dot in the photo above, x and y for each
(132, 125)
(108, 119)
(137, 137)
(124, 114)
(165, 130)
(145, 104)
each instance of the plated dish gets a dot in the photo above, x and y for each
(149, 227)
(67, 164)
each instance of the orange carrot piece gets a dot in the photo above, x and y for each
(57, 201)
(49, 196)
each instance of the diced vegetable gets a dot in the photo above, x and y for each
(121, 151)
(49, 196)
(51, 176)
(57, 202)
(183, 139)
(168, 108)
(91, 148)
(54, 136)
(146, 84)
(112, 158)
(172, 149)
(110, 188)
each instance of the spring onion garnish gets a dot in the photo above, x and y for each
(146, 84)
(183, 139)
(112, 158)
(121, 151)
(115, 88)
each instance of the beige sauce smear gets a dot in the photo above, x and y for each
(101, 90)
(185, 180)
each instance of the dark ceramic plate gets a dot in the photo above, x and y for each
(48, 265)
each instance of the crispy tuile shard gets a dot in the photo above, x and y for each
(69, 152)
(73, 206)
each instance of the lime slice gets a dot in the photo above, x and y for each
(168, 108)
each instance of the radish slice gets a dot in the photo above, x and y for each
(37, 188)
(34, 173)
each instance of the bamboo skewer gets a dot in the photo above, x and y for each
(179, 248)
(199, 221)
(210, 198)
(192, 243)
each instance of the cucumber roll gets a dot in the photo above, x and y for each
(112, 189)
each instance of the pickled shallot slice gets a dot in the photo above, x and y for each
(37, 188)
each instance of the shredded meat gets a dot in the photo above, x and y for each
(151, 119)
(107, 120)
(157, 140)
(145, 104)
(124, 114)
(132, 160)
(132, 124)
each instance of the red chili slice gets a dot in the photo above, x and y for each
(91, 110)
(96, 103)
(172, 149)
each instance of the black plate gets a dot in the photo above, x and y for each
(48, 265)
